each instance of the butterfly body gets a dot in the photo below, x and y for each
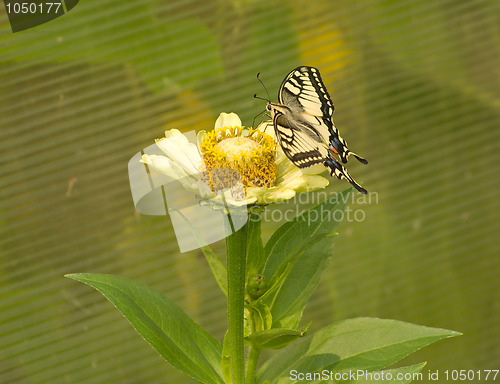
(303, 125)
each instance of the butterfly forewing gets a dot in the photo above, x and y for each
(303, 89)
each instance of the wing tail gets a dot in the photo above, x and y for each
(344, 155)
(338, 170)
(359, 158)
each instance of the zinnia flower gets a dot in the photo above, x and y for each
(233, 164)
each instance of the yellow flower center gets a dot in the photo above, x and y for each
(237, 146)
(234, 154)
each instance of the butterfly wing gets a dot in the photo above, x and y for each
(305, 150)
(303, 124)
(301, 144)
(339, 170)
(303, 90)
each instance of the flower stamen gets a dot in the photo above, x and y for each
(249, 152)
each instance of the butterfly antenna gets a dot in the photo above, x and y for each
(260, 98)
(268, 97)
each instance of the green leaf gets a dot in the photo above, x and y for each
(290, 291)
(172, 333)
(362, 343)
(217, 267)
(274, 338)
(301, 281)
(308, 236)
(294, 233)
(258, 316)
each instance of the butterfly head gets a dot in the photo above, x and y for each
(270, 108)
(276, 109)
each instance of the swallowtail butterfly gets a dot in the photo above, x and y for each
(303, 124)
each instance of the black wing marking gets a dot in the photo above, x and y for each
(341, 173)
(302, 149)
(304, 91)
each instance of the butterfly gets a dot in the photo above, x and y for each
(303, 125)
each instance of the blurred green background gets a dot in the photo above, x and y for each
(416, 86)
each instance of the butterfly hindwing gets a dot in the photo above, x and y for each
(299, 143)
(304, 127)
(339, 170)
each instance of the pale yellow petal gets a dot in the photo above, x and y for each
(163, 165)
(179, 150)
(227, 120)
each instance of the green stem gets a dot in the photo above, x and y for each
(253, 357)
(236, 245)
